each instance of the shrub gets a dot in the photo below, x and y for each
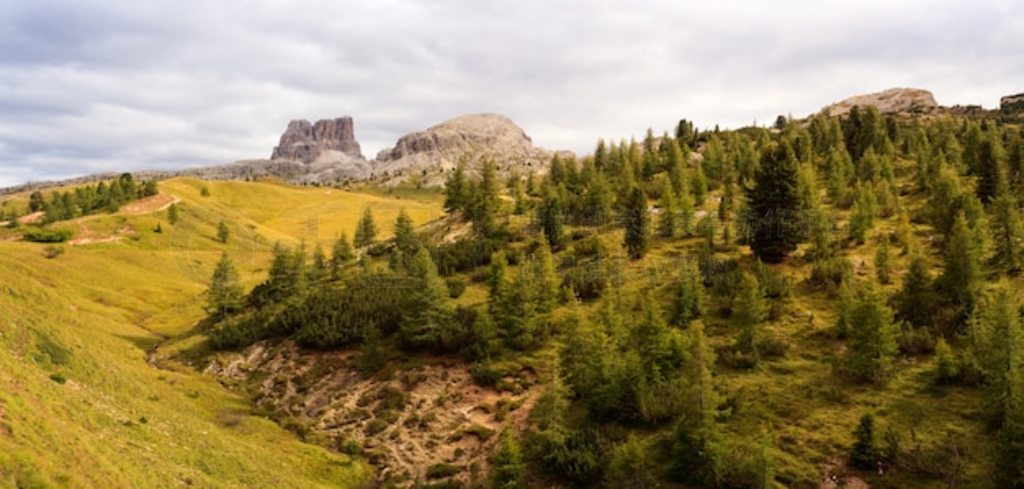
(440, 471)
(464, 255)
(456, 286)
(48, 235)
(830, 274)
(53, 251)
(915, 341)
(588, 281)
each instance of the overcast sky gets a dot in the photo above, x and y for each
(88, 85)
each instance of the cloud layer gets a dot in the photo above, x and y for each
(93, 85)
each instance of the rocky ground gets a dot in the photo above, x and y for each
(422, 422)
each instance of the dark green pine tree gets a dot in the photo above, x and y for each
(427, 314)
(870, 336)
(864, 454)
(341, 254)
(507, 465)
(748, 315)
(916, 300)
(551, 214)
(638, 224)
(172, 214)
(318, 270)
(668, 222)
(455, 189)
(991, 160)
(1007, 229)
(961, 276)
(225, 294)
(223, 233)
(773, 205)
(406, 241)
(689, 299)
(366, 230)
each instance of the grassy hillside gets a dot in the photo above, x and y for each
(80, 405)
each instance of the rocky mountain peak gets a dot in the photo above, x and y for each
(327, 139)
(891, 101)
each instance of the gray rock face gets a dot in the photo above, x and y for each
(1012, 103)
(308, 143)
(891, 101)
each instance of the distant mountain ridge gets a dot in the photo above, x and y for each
(327, 151)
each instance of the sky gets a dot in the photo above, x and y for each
(90, 85)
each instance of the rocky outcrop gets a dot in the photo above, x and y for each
(908, 101)
(471, 138)
(1012, 103)
(328, 139)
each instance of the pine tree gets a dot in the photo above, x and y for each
(224, 295)
(699, 185)
(990, 167)
(669, 212)
(686, 213)
(318, 271)
(366, 230)
(341, 254)
(638, 224)
(223, 233)
(689, 299)
(1008, 231)
(483, 209)
(547, 281)
(697, 448)
(427, 313)
(773, 204)
(748, 314)
(1009, 470)
(864, 454)
(455, 189)
(961, 275)
(551, 214)
(915, 302)
(406, 240)
(172, 214)
(883, 268)
(871, 336)
(507, 466)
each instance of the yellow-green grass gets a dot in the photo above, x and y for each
(89, 317)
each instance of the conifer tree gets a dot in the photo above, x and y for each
(699, 185)
(697, 449)
(1008, 231)
(551, 214)
(961, 275)
(483, 209)
(427, 313)
(689, 299)
(341, 254)
(319, 269)
(406, 240)
(871, 336)
(172, 214)
(366, 230)
(669, 213)
(864, 454)
(507, 466)
(1009, 470)
(773, 204)
(223, 233)
(224, 295)
(597, 200)
(748, 314)
(915, 302)
(455, 189)
(990, 167)
(686, 213)
(883, 267)
(547, 281)
(637, 222)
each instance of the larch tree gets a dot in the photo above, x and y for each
(916, 300)
(667, 223)
(224, 295)
(366, 230)
(883, 265)
(638, 224)
(748, 315)
(428, 312)
(871, 336)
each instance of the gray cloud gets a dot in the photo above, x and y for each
(97, 85)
